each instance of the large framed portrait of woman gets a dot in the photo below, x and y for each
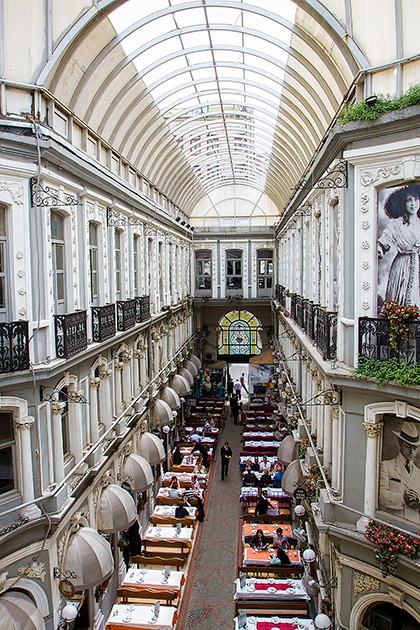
(399, 245)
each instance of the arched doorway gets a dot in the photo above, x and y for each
(387, 616)
(239, 337)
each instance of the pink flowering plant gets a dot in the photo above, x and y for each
(398, 317)
(314, 481)
(389, 543)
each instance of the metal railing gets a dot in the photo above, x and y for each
(70, 334)
(103, 322)
(374, 341)
(14, 347)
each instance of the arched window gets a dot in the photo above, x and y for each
(239, 334)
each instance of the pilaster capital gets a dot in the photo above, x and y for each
(104, 375)
(335, 411)
(126, 359)
(76, 396)
(373, 430)
(119, 366)
(94, 382)
(57, 408)
(23, 423)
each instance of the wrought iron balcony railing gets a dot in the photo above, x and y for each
(14, 349)
(326, 333)
(145, 308)
(374, 341)
(70, 334)
(299, 311)
(293, 306)
(126, 314)
(103, 322)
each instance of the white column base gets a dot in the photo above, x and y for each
(31, 511)
(99, 621)
(362, 523)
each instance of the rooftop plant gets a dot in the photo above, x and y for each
(384, 104)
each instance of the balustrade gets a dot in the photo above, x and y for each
(14, 348)
(103, 322)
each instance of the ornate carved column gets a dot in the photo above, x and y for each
(23, 427)
(335, 432)
(94, 415)
(57, 410)
(126, 372)
(327, 443)
(75, 424)
(119, 406)
(373, 431)
(105, 397)
(143, 365)
(136, 372)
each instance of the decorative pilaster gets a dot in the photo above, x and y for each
(105, 397)
(126, 393)
(119, 404)
(94, 415)
(23, 427)
(75, 425)
(57, 410)
(373, 431)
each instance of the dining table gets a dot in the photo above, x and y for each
(275, 623)
(125, 616)
(168, 534)
(145, 579)
(163, 498)
(270, 588)
(184, 479)
(269, 530)
(169, 510)
(253, 556)
(250, 495)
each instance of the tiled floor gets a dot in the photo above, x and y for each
(211, 602)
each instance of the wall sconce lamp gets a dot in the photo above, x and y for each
(67, 615)
(322, 622)
(370, 101)
(309, 555)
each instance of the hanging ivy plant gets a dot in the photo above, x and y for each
(388, 371)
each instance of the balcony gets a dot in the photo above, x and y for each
(374, 341)
(126, 314)
(278, 294)
(14, 350)
(145, 308)
(103, 322)
(70, 334)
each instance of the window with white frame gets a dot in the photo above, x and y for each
(265, 271)
(118, 264)
(93, 261)
(58, 261)
(233, 269)
(203, 270)
(3, 264)
(7, 452)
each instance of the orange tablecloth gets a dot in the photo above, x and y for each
(263, 557)
(269, 530)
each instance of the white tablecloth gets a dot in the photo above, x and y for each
(152, 578)
(254, 435)
(244, 458)
(301, 624)
(295, 590)
(273, 493)
(168, 533)
(169, 510)
(164, 493)
(138, 616)
(186, 477)
(260, 443)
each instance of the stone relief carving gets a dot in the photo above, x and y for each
(367, 177)
(365, 203)
(15, 189)
(33, 570)
(373, 430)
(365, 264)
(363, 583)
(365, 244)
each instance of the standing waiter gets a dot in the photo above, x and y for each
(226, 455)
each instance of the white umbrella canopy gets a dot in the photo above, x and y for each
(138, 472)
(287, 451)
(196, 360)
(191, 367)
(18, 612)
(162, 413)
(293, 477)
(116, 509)
(151, 448)
(181, 385)
(170, 396)
(187, 375)
(89, 556)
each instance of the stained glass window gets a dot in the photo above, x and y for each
(239, 334)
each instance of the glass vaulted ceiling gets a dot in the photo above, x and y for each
(204, 94)
(216, 73)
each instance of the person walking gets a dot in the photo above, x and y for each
(242, 381)
(234, 407)
(237, 387)
(226, 455)
(230, 386)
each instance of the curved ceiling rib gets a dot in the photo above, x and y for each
(166, 88)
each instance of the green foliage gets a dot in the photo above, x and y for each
(391, 370)
(361, 111)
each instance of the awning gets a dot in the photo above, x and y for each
(116, 510)
(293, 478)
(191, 367)
(138, 473)
(262, 359)
(196, 360)
(162, 413)
(151, 448)
(287, 451)
(187, 375)
(89, 556)
(170, 396)
(181, 385)
(18, 612)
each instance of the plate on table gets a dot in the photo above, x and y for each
(290, 591)
(275, 619)
(266, 531)
(270, 580)
(271, 590)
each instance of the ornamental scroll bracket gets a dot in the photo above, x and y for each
(71, 397)
(327, 398)
(44, 197)
(335, 176)
(115, 219)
